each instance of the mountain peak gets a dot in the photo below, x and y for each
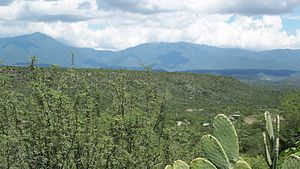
(39, 35)
(38, 39)
(36, 36)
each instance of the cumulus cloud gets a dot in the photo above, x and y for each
(243, 32)
(140, 6)
(118, 24)
(244, 7)
(85, 5)
(48, 10)
(55, 18)
(255, 7)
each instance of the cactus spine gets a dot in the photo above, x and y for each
(271, 140)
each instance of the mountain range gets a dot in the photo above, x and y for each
(179, 56)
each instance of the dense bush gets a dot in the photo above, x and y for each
(51, 118)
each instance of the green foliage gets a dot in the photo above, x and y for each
(291, 122)
(56, 119)
(295, 151)
(241, 165)
(85, 118)
(33, 60)
(257, 162)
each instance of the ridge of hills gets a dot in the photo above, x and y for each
(180, 56)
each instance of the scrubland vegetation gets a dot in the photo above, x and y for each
(88, 118)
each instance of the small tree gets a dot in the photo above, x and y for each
(72, 59)
(33, 61)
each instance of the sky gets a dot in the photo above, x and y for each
(119, 24)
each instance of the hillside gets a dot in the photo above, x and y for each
(178, 56)
(210, 92)
(258, 77)
(186, 91)
(143, 114)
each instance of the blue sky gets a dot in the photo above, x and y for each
(119, 24)
(291, 21)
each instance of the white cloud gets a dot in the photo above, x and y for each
(11, 12)
(121, 24)
(245, 7)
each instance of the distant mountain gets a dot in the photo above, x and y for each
(179, 56)
(16, 51)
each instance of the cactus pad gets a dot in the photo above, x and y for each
(180, 165)
(292, 162)
(214, 151)
(201, 163)
(168, 167)
(225, 133)
(241, 165)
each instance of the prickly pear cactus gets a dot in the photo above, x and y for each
(214, 151)
(201, 163)
(168, 167)
(225, 133)
(241, 165)
(178, 165)
(221, 149)
(292, 162)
